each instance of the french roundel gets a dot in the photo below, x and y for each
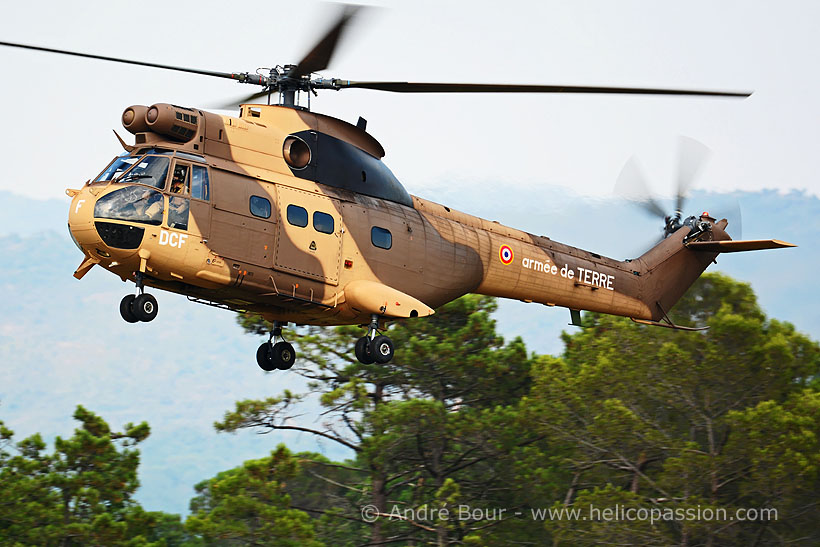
(505, 254)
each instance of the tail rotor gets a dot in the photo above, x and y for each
(692, 157)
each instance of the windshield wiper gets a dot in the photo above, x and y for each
(134, 176)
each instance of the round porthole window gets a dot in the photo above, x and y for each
(296, 152)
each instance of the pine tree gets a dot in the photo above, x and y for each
(82, 493)
(723, 419)
(431, 431)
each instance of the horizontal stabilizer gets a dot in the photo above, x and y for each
(729, 246)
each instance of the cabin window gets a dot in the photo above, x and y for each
(323, 222)
(381, 237)
(297, 216)
(200, 186)
(178, 213)
(260, 207)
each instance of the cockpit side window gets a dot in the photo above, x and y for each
(180, 183)
(200, 187)
(178, 212)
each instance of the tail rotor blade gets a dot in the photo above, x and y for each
(735, 218)
(692, 156)
(631, 184)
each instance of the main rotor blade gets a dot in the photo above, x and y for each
(319, 57)
(427, 87)
(631, 184)
(231, 76)
(692, 156)
(234, 103)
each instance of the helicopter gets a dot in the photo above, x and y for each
(292, 214)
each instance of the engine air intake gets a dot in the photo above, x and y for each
(173, 121)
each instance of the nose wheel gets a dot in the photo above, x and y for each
(279, 355)
(374, 347)
(139, 307)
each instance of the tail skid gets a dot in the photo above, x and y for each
(669, 325)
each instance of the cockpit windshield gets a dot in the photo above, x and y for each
(131, 203)
(148, 170)
(120, 165)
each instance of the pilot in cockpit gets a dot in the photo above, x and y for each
(178, 182)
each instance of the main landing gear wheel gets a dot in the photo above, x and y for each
(126, 308)
(145, 307)
(264, 357)
(381, 349)
(283, 355)
(363, 351)
(280, 355)
(371, 348)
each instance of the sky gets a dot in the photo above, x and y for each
(543, 163)
(60, 110)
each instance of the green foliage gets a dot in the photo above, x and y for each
(249, 506)
(631, 418)
(726, 418)
(81, 494)
(435, 425)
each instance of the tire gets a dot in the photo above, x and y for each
(264, 358)
(127, 308)
(283, 355)
(381, 348)
(145, 308)
(363, 351)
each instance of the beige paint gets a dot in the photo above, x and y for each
(300, 275)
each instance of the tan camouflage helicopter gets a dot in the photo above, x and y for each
(293, 215)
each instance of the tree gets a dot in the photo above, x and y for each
(81, 493)
(431, 430)
(249, 506)
(725, 419)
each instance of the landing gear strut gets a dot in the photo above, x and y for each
(279, 355)
(374, 347)
(139, 306)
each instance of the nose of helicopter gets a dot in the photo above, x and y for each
(81, 219)
(96, 238)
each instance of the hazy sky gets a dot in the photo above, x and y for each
(59, 111)
(521, 159)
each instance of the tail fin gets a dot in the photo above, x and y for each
(672, 266)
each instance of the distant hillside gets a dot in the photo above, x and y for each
(26, 216)
(62, 341)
